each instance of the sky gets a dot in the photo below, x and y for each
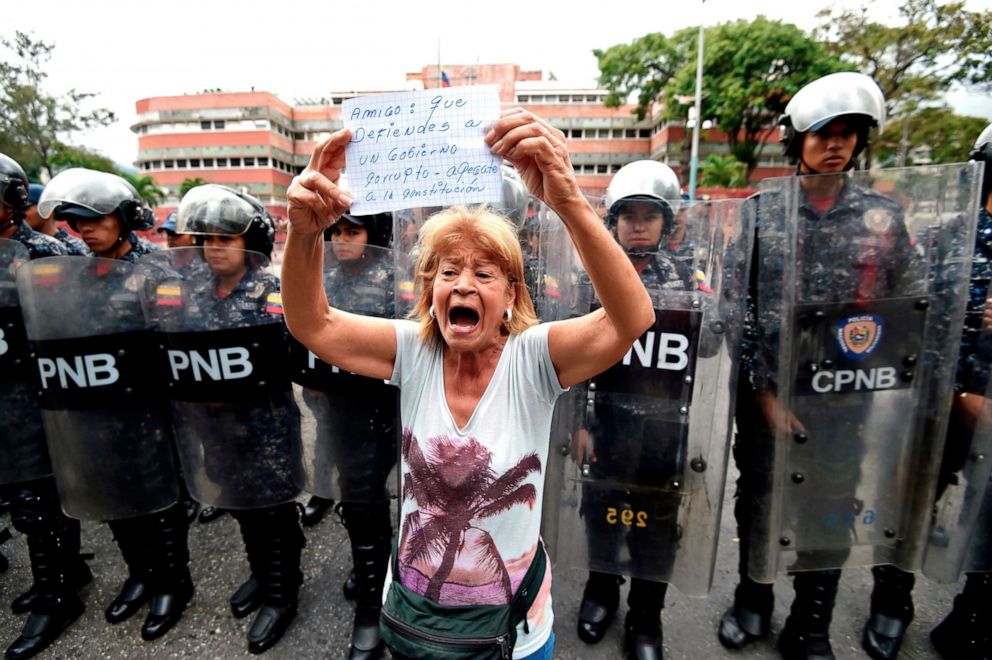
(125, 51)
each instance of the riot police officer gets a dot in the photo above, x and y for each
(107, 211)
(642, 200)
(240, 448)
(47, 226)
(57, 568)
(356, 437)
(825, 127)
(959, 539)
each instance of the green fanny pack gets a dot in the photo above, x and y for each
(415, 627)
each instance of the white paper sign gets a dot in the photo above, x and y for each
(423, 148)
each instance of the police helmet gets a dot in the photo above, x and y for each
(215, 210)
(13, 184)
(982, 151)
(82, 194)
(854, 96)
(644, 181)
(378, 225)
(515, 196)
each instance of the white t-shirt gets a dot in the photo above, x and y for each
(471, 510)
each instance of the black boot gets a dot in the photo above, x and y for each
(80, 574)
(314, 510)
(274, 542)
(891, 612)
(53, 547)
(642, 639)
(600, 600)
(247, 598)
(370, 533)
(350, 587)
(169, 583)
(750, 616)
(130, 536)
(806, 635)
(966, 633)
(210, 513)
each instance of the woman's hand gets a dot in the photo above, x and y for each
(315, 201)
(538, 151)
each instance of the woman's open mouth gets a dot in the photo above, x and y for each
(463, 319)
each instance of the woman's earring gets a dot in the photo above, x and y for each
(430, 312)
(509, 314)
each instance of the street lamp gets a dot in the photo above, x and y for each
(694, 157)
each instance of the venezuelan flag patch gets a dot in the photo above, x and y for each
(273, 303)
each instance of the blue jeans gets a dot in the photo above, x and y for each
(546, 652)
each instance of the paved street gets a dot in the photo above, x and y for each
(322, 628)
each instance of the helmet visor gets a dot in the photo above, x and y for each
(213, 210)
(96, 193)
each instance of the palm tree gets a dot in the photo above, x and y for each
(722, 172)
(147, 188)
(188, 184)
(455, 488)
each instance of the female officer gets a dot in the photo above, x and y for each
(239, 437)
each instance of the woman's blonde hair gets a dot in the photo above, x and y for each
(481, 228)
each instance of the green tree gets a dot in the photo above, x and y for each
(63, 156)
(934, 47)
(750, 71)
(30, 116)
(936, 135)
(643, 67)
(146, 187)
(188, 184)
(722, 172)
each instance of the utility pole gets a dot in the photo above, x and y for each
(694, 156)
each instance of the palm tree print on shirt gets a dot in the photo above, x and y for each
(454, 487)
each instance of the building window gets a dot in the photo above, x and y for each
(601, 169)
(219, 124)
(249, 162)
(523, 99)
(208, 162)
(194, 162)
(603, 133)
(169, 164)
(617, 133)
(263, 162)
(181, 162)
(644, 133)
(221, 162)
(205, 125)
(235, 162)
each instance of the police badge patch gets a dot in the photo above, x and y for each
(878, 221)
(858, 336)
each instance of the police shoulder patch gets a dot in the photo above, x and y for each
(877, 220)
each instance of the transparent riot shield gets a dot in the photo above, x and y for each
(223, 351)
(646, 442)
(959, 539)
(351, 447)
(406, 232)
(23, 452)
(103, 408)
(861, 286)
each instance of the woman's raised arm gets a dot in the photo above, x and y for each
(362, 344)
(587, 345)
